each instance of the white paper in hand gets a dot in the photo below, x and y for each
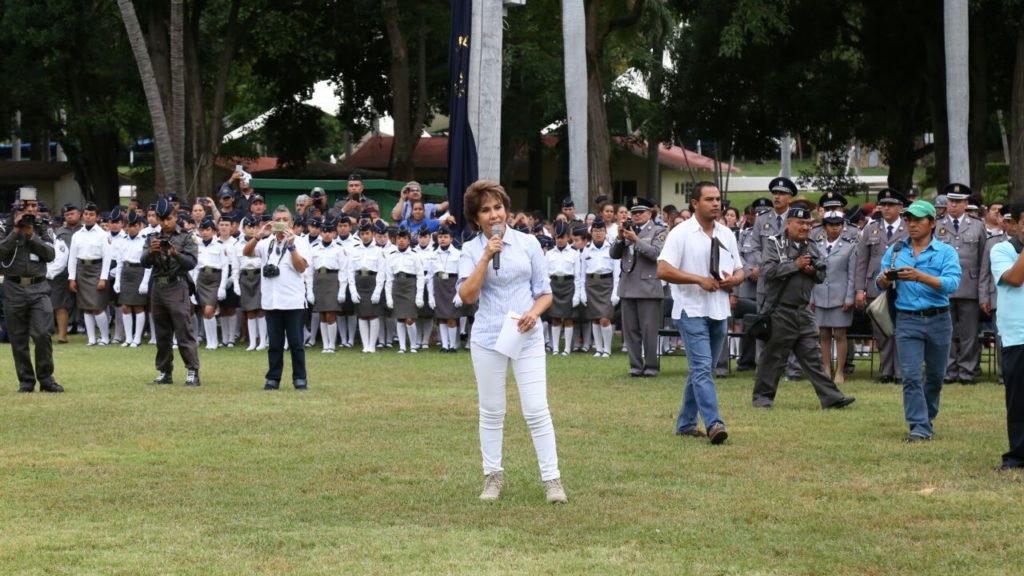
(510, 340)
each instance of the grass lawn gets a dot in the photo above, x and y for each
(376, 470)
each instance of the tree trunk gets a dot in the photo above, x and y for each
(936, 78)
(408, 126)
(977, 129)
(177, 120)
(653, 130)
(1017, 122)
(955, 26)
(598, 136)
(161, 134)
(574, 35)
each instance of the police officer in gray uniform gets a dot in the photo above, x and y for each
(791, 266)
(967, 236)
(171, 254)
(25, 249)
(834, 202)
(876, 238)
(746, 293)
(637, 248)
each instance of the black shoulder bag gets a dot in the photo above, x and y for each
(760, 325)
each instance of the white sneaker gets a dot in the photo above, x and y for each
(553, 492)
(606, 355)
(492, 486)
(126, 344)
(413, 351)
(134, 345)
(597, 354)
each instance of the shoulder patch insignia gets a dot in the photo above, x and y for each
(195, 240)
(767, 226)
(661, 237)
(874, 231)
(942, 231)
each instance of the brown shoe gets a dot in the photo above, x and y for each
(717, 433)
(694, 432)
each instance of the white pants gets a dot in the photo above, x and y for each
(491, 369)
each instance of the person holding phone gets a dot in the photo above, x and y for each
(284, 258)
(506, 272)
(926, 272)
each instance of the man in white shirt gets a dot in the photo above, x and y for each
(702, 263)
(284, 258)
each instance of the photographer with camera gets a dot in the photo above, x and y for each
(926, 272)
(25, 249)
(284, 258)
(791, 267)
(172, 253)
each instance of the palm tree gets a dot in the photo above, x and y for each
(575, 36)
(161, 135)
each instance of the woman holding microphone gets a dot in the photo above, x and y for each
(506, 271)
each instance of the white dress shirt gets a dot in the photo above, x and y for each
(287, 291)
(688, 249)
(90, 244)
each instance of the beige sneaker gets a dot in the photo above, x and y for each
(554, 493)
(492, 486)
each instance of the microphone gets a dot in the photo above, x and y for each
(496, 260)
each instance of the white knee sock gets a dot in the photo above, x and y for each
(210, 328)
(595, 331)
(442, 335)
(414, 336)
(90, 327)
(364, 333)
(353, 323)
(261, 322)
(568, 338)
(586, 339)
(119, 331)
(126, 323)
(103, 323)
(374, 333)
(314, 326)
(453, 337)
(556, 336)
(401, 335)
(332, 335)
(225, 329)
(607, 332)
(152, 329)
(254, 334)
(140, 324)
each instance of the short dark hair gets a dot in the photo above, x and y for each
(698, 189)
(476, 194)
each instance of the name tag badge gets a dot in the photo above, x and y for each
(33, 258)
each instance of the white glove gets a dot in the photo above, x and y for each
(144, 288)
(355, 297)
(433, 303)
(391, 302)
(117, 286)
(457, 301)
(583, 299)
(237, 287)
(192, 299)
(309, 297)
(341, 296)
(419, 301)
(615, 299)
(375, 298)
(222, 293)
(575, 301)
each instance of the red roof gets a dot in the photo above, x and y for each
(675, 157)
(375, 153)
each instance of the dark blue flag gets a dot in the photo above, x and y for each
(462, 160)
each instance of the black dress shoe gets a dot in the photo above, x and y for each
(300, 385)
(636, 375)
(846, 401)
(192, 378)
(51, 387)
(967, 381)
(847, 370)
(948, 380)
(915, 439)
(885, 379)
(163, 378)
(271, 385)
(26, 390)
(1009, 468)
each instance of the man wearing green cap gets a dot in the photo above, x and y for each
(926, 272)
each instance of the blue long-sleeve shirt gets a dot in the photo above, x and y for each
(937, 259)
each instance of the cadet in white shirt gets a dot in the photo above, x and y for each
(211, 278)
(443, 275)
(567, 289)
(229, 305)
(132, 284)
(88, 269)
(115, 227)
(348, 322)
(366, 284)
(404, 289)
(247, 281)
(330, 270)
(601, 274)
(425, 315)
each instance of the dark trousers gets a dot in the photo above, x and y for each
(172, 318)
(794, 331)
(748, 344)
(965, 351)
(29, 314)
(641, 318)
(283, 324)
(1013, 377)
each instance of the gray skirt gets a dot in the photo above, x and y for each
(348, 308)
(833, 317)
(444, 296)
(365, 285)
(131, 280)
(599, 298)
(424, 312)
(60, 296)
(325, 291)
(251, 299)
(562, 291)
(403, 292)
(207, 284)
(89, 297)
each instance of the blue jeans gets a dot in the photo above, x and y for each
(922, 340)
(703, 338)
(288, 324)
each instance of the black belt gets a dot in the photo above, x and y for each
(250, 272)
(564, 276)
(598, 276)
(133, 264)
(323, 270)
(26, 280)
(926, 313)
(166, 279)
(209, 269)
(84, 261)
(365, 273)
(404, 275)
(793, 306)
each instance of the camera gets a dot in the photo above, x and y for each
(892, 274)
(271, 271)
(27, 221)
(627, 225)
(279, 227)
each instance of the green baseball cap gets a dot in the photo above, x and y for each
(921, 209)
